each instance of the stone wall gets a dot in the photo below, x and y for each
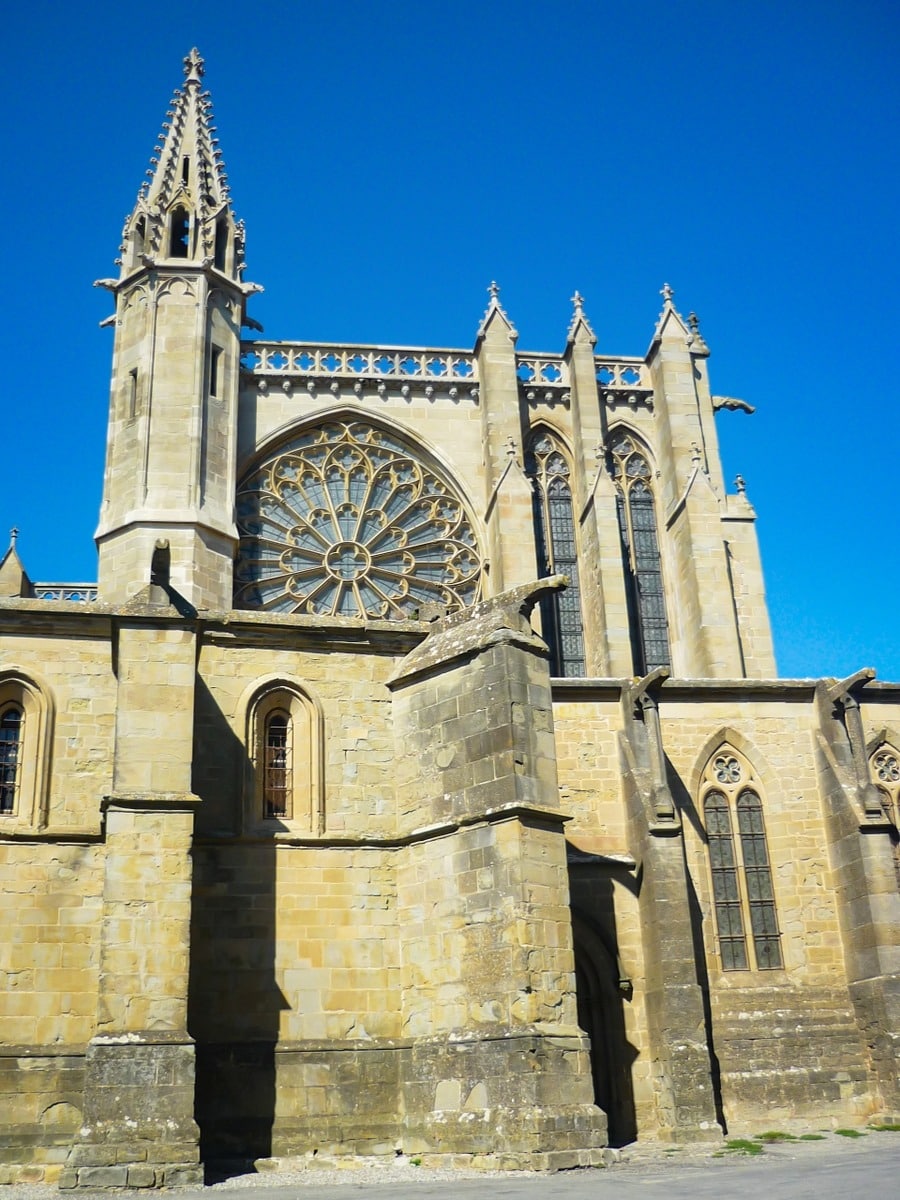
(409, 973)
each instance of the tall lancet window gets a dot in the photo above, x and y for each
(557, 554)
(742, 889)
(640, 554)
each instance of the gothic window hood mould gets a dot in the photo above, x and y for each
(345, 520)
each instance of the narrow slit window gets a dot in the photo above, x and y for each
(10, 758)
(277, 774)
(132, 392)
(179, 230)
(221, 243)
(215, 370)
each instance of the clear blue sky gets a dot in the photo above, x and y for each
(390, 159)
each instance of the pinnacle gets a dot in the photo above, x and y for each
(187, 178)
(579, 319)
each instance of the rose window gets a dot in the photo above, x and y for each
(343, 521)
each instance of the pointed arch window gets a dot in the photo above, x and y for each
(561, 617)
(640, 553)
(884, 766)
(11, 745)
(346, 520)
(742, 887)
(179, 232)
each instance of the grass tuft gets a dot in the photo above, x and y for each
(811, 1137)
(774, 1135)
(888, 1127)
(744, 1146)
(849, 1133)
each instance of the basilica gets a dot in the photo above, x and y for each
(416, 778)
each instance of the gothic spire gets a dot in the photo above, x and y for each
(183, 209)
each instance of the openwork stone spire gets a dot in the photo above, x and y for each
(183, 209)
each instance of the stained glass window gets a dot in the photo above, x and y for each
(884, 765)
(742, 888)
(561, 620)
(10, 757)
(344, 520)
(640, 554)
(726, 889)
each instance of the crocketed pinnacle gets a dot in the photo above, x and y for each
(186, 172)
(186, 158)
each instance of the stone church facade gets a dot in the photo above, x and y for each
(417, 776)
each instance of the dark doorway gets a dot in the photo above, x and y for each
(601, 996)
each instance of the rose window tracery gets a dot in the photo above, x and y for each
(344, 521)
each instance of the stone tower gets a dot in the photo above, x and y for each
(173, 406)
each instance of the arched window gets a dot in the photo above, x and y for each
(284, 738)
(561, 620)
(179, 233)
(346, 520)
(640, 553)
(278, 752)
(11, 735)
(884, 765)
(742, 891)
(26, 726)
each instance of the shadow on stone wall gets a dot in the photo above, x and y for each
(602, 993)
(684, 804)
(235, 1002)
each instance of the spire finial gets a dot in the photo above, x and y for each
(579, 319)
(193, 66)
(13, 537)
(694, 322)
(494, 307)
(666, 292)
(740, 484)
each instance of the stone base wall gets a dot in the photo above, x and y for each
(509, 1097)
(138, 1128)
(41, 1098)
(790, 1056)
